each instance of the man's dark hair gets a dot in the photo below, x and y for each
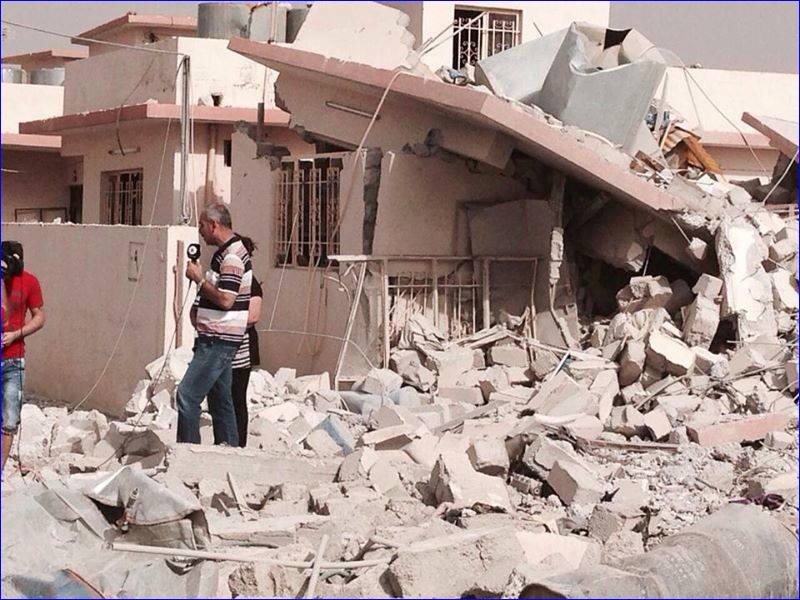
(248, 244)
(13, 255)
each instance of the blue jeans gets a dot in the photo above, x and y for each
(209, 374)
(13, 382)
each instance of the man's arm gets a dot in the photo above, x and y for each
(31, 326)
(5, 306)
(223, 299)
(254, 312)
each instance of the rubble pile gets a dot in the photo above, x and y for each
(470, 467)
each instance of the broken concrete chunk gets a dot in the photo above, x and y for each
(644, 292)
(509, 355)
(380, 382)
(605, 388)
(784, 291)
(679, 405)
(303, 386)
(383, 476)
(494, 379)
(389, 438)
(587, 427)
(407, 364)
(489, 456)
(778, 440)
(562, 395)
(791, 374)
(450, 364)
(669, 355)
(708, 286)
(631, 363)
(573, 551)
(458, 393)
(321, 443)
(627, 420)
(575, 484)
(454, 480)
(357, 464)
(747, 429)
(700, 322)
(485, 559)
(782, 250)
(657, 424)
(708, 363)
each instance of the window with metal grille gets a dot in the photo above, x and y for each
(123, 197)
(307, 211)
(478, 36)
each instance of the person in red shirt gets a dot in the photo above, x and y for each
(23, 295)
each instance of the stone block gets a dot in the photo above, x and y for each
(380, 382)
(631, 363)
(454, 480)
(458, 393)
(708, 286)
(562, 395)
(748, 429)
(408, 365)
(668, 354)
(575, 484)
(784, 291)
(489, 456)
(657, 424)
(449, 364)
(509, 355)
(644, 292)
(605, 388)
(700, 322)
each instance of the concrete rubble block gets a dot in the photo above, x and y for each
(357, 465)
(598, 336)
(516, 375)
(542, 453)
(573, 483)
(379, 382)
(631, 363)
(309, 384)
(633, 392)
(389, 438)
(586, 370)
(782, 250)
(629, 496)
(784, 291)
(700, 322)
(657, 424)
(562, 395)
(383, 476)
(708, 286)
(493, 379)
(459, 393)
(708, 363)
(627, 420)
(284, 375)
(587, 427)
(509, 355)
(697, 249)
(476, 562)
(747, 429)
(516, 394)
(478, 359)
(286, 412)
(489, 456)
(322, 443)
(454, 480)
(644, 292)
(668, 354)
(171, 367)
(779, 440)
(678, 406)
(390, 416)
(572, 550)
(745, 359)
(748, 288)
(449, 364)
(408, 365)
(605, 388)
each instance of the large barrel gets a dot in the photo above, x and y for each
(738, 552)
(53, 76)
(12, 73)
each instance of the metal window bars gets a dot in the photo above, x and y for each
(307, 210)
(494, 32)
(123, 197)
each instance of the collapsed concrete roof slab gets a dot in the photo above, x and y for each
(782, 134)
(151, 110)
(471, 107)
(174, 25)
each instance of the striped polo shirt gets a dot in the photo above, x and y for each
(231, 273)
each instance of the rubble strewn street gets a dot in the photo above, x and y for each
(632, 430)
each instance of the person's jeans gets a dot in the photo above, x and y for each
(13, 382)
(241, 379)
(209, 374)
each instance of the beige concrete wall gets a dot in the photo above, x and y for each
(548, 16)
(304, 304)
(34, 180)
(94, 146)
(84, 273)
(20, 102)
(134, 77)
(740, 164)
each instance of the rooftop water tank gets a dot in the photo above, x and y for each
(225, 20)
(12, 73)
(54, 76)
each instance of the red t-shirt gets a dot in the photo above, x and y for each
(24, 293)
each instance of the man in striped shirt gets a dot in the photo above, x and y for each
(220, 316)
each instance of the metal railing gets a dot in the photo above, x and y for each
(492, 33)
